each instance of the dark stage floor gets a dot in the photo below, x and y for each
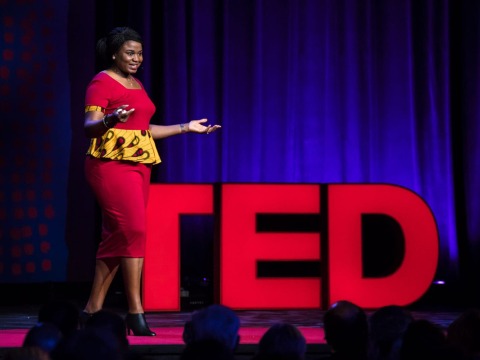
(25, 317)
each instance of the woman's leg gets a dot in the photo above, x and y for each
(132, 266)
(132, 277)
(105, 270)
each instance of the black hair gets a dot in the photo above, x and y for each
(282, 341)
(346, 328)
(109, 45)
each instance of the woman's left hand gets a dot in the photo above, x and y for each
(198, 127)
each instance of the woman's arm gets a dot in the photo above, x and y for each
(163, 131)
(97, 123)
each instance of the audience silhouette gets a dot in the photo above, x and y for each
(464, 333)
(89, 344)
(62, 314)
(45, 336)
(207, 349)
(421, 340)
(215, 322)
(26, 353)
(387, 327)
(108, 321)
(283, 342)
(390, 333)
(346, 331)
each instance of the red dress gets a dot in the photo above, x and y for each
(121, 186)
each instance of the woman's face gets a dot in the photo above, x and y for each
(129, 57)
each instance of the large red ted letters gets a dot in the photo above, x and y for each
(337, 245)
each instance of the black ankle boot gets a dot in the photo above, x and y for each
(137, 324)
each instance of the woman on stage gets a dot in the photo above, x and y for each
(118, 165)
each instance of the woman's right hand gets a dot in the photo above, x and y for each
(121, 114)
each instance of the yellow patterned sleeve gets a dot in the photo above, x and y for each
(94, 108)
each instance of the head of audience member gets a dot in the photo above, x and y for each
(464, 332)
(387, 326)
(346, 330)
(282, 341)
(450, 352)
(207, 349)
(45, 336)
(26, 353)
(63, 314)
(215, 322)
(422, 340)
(105, 320)
(89, 344)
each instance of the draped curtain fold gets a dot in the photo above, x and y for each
(306, 91)
(311, 92)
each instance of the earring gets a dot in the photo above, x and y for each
(113, 57)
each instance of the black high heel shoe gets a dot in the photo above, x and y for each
(137, 324)
(83, 318)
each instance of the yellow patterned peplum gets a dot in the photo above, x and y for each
(126, 145)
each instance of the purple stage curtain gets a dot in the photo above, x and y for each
(311, 92)
(306, 91)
